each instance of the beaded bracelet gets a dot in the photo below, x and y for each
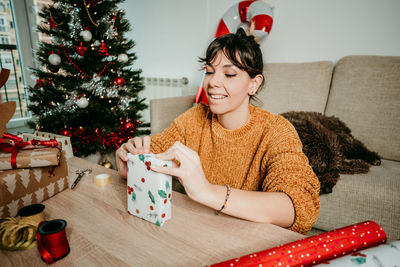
(228, 192)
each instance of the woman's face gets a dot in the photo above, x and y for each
(227, 86)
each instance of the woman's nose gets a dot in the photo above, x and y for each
(214, 80)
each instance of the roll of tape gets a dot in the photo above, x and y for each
(102, 179)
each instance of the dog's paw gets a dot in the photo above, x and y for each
(376, 162)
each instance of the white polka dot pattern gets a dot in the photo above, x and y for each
(315, 249)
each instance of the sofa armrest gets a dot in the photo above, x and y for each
(164, 110)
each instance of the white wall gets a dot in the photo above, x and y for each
(170, 35)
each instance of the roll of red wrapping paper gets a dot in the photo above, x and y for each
(52, 240)
(315, 249)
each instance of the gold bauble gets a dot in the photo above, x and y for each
(107, 164)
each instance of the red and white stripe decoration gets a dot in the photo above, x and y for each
(244, 14)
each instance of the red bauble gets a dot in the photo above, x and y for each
(81, 49)
(39, 82)
(119, 81)
(66, 132)
(129, 125)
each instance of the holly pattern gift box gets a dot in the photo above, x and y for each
(25, 186)
(149, 193)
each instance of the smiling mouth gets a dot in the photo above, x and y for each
(217, 96)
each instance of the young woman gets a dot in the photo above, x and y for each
(232, 156)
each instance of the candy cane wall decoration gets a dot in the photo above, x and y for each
(246, 13)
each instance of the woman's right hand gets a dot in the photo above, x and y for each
(134, 146)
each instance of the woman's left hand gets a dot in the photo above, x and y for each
(190, 172)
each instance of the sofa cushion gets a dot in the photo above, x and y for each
(164, 110)
(365, 94)
(370, 196)
(296, 86)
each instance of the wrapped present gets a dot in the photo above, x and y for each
(22, 187)
(28, 154)
(64, 141)
(382, 255)
(149, 193)
(17, 154)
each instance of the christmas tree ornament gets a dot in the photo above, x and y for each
(119, 81)
(107, 164)
(54, 59)
(87, 11)
(52, 22)
(39, 82)
(123, 58)
(103, 51)
(65, 132)
(86, 35)
(82, 102)
(81, 49)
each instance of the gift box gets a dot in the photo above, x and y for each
(22, 187)
(382, 255)
(64, 141)
(30, 158)
(149, 193)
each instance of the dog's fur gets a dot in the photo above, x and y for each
(330, 147)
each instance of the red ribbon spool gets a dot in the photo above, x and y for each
(52, 240)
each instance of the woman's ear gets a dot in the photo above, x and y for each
(255, 84)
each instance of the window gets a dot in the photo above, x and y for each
(17, 42)
(4, 39)
(3, 24)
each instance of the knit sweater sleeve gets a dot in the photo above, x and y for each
(288, 171)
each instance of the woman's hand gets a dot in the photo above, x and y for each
(190, 172)
(134, 146)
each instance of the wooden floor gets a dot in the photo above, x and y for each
(101, 232)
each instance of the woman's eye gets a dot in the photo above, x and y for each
(209, 72)
(230, 75)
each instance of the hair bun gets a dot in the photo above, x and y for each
(246, 34)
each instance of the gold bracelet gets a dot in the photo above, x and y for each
(228, 192)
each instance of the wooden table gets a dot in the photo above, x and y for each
(101, 232)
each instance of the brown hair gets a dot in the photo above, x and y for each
(242, 50)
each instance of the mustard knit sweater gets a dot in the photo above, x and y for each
(265, 154)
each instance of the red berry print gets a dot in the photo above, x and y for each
(130, 190)
(148, 164)
(169, 195)
(163, 215)
(151, 208)
(129, 212)
(165, 201)
(143, 180)
(137, 211)
(165, 165)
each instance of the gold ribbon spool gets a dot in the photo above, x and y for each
(32, 214)
(20, 234)
(102, 179)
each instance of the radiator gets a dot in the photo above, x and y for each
(156, 87)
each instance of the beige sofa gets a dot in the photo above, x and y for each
(364, 92)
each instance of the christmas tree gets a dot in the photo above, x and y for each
(86, 87)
